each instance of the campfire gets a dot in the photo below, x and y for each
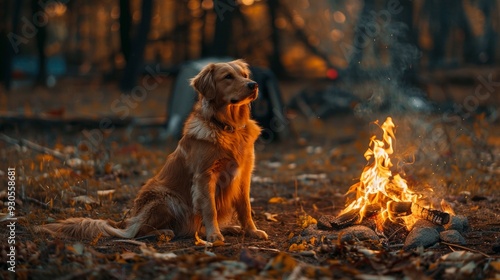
(382, 195)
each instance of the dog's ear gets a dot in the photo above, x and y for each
(243, 64)
(204, 82)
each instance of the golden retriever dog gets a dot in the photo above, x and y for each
(206, 179)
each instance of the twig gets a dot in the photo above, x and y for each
(130, 241)
(41, 204)
(394, 233)
(466, 248)
(263, 249)
(34, 147)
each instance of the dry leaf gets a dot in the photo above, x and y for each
(306, 220)
(105, 192)
(128, 255)
(277, 200)
(218, 243)
(84, 199)
(151, 252)
(297, 247)
(271, 217)
(76, 248)
(200, 242)
(96, 239)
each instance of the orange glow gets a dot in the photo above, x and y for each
(247, 2)
(339, 17)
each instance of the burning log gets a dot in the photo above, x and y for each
(395, 210)
(354, 216)
(399, 209)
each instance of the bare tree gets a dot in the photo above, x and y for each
(10, 52)
(37, 8)
(125, 26)
(134, 64)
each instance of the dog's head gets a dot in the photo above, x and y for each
(226, 83)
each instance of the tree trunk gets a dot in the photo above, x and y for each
(275, 59)
(125, 25)
(222, 35)
(9, 54)
(41, 38)
(134, 65)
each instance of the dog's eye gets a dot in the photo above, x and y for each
(228, 76)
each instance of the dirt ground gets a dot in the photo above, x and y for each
(295, 180)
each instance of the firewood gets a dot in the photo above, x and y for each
(435, 216)
(353, 217)
(399, 209)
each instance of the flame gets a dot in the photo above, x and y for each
(377, 185)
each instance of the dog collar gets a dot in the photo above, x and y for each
(226, 127)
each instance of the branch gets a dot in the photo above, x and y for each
(33, 146)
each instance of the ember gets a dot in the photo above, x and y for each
(380, 192)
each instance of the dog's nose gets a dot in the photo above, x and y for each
(252, 85)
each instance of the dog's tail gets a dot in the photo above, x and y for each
(85, 228)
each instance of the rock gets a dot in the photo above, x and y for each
(427, 224)
(452, 236)
(358, 233)
(459, 223)
(325, 222)
(421, 236)
(313, 231)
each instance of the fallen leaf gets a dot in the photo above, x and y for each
(495, 265)
(105, 192)
(271, 217)
(44, 157)
(76, 248)
(280, 265)
(84, 199)
(460, 256)
(297, 247)
(96, 239)
(200, 242)
(128, 255)
(151, 252)
(306, 220)
(218, 243)
(277, 200)
(468, 268)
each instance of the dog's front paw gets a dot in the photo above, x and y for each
(257, 233)
(216, 236)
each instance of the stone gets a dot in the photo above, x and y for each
(313, 231)
(421, 236)
(325, 222)
(459, 223)
(452, 236)
(427, 224)
(355, 233)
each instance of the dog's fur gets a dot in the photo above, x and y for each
(206, 178)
